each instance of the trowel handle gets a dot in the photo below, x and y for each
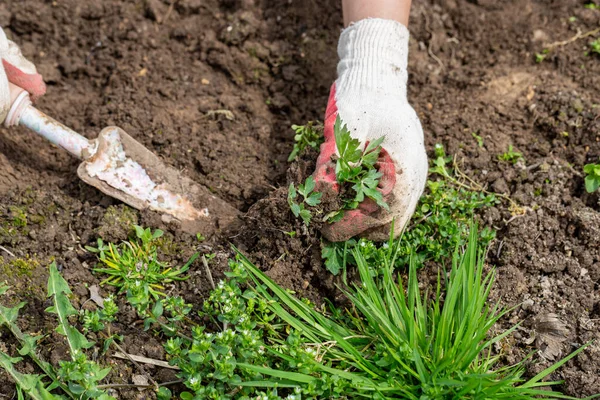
(24, 114)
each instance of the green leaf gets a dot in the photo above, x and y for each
(591, 183)
(157, 310)
(163, 393)
(330, 254)
(306, 216)
(186, 396)
(295, 209)
(29, 344)
(58, 288)
(376, 195)
(8, 316)
(309, 185)
(292, 192)
(314, 199)
(29, 383)
(374, 144)
(139, 231)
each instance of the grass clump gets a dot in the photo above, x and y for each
(397, 342)
(134, 266)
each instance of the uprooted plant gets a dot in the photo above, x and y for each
(355, 171)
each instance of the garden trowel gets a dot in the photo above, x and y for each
(121, 167)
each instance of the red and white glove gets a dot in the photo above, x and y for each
(370, 97)
(17, 70)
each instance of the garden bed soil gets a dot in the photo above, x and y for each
(213, 87)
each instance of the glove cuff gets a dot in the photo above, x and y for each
(373, 58)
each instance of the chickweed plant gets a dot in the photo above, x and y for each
(309, 135)
(134, 267)
(592, 177)
(77, 378)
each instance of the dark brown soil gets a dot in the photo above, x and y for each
(165, 73)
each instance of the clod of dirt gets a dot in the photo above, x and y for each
(117, 223)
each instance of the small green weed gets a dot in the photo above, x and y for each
(592, 6)
(540, 57)
(510, 155)
(595, 46)
(592, 177)
(478, 138)
(309, 198)
(135, 264)
(309, 135)
(18, 216)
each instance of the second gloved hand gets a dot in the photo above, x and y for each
(17, 70)
(370, 98)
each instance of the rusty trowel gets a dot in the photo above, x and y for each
(121, 167)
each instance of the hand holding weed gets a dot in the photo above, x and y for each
(369, 96)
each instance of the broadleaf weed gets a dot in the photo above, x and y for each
(511, 156)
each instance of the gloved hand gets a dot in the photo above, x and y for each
(17, 70)
(370, 97)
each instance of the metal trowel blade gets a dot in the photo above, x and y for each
(126, 170)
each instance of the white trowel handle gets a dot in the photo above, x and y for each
(24, 114)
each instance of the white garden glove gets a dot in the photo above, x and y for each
(17, 70)
(370, 97)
